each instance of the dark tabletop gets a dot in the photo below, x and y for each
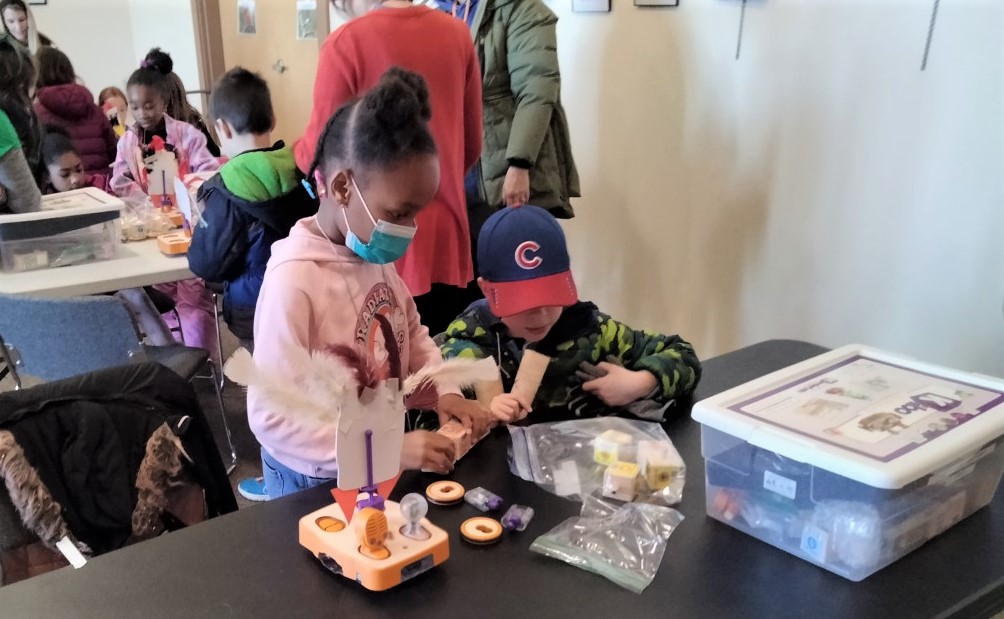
(249, 564)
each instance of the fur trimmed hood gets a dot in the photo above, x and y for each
(160, 470)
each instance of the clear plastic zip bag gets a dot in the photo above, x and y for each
(623, 544)
(583, 457)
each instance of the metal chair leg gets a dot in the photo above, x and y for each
(179, 330)
(219, 338)
(9, 360)
(223, 414)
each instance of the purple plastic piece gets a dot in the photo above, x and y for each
(483, 499)
(374, 500)
(369, 458)
(517, 517)
(511, 522)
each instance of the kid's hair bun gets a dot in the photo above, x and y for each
(399, 99)
(395, 109)
(387, 125)
(158, 60)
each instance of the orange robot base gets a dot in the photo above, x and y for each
(338, 546)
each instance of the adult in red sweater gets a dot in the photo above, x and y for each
(62, 102)
(437, 268)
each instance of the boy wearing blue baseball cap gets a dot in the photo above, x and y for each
(598, 365)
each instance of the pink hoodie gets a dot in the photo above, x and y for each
(317, 294)
(189, 142)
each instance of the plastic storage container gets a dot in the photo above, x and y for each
(86, 196)
(852, 459)
(60, 237)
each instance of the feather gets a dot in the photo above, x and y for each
(240, 367)
(454, 373)
(425, 397)
(323, 378)
(363, 366)
(314, 385)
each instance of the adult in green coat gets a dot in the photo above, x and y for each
(527, 155)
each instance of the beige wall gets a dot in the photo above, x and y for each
(821, 187)
(106, 39)
(97, 36)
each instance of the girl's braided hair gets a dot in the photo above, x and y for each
(386, 126)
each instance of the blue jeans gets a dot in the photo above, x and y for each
(281, 480)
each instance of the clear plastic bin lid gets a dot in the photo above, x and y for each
(76, 198)
(872, 416)
(40, 224)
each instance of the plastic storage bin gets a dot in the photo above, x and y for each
(60, 237)
(86, 196)
(852, 459)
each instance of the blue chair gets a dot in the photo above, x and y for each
(52, 339)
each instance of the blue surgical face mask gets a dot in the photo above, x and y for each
(388, 241)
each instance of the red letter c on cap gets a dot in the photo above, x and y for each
(523, 258)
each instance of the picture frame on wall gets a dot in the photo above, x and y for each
(247, 19)
(657, 2)
(306, 19)
(591, 6)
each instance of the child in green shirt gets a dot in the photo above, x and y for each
(598, 365)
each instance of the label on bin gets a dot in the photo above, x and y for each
(815, 542)
(873, 408)
(780, 485)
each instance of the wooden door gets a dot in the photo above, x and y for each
(274, 51)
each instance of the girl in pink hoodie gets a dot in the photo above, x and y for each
(147, 99)
(332, 281)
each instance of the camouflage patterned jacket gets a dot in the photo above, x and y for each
(583, 333)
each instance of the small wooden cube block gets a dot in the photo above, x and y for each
(660, 463)
(461, 437)
(609, 446)
(620, 481)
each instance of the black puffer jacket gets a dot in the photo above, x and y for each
(87, 438)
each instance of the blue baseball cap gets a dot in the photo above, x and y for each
(523, 259)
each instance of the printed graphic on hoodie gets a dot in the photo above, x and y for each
(380, 329)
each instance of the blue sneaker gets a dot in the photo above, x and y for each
(253, 489)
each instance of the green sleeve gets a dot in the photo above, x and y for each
(463, 339)
(532, 57)
(669, 358)
(8, 135)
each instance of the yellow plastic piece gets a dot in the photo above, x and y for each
(481, 530)
(371, 528)
(330, 525)
(445, 492)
